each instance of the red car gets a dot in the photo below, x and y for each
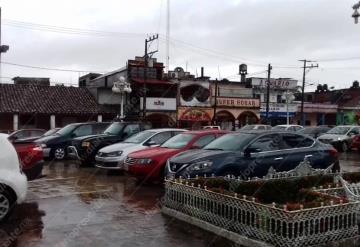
(149, 164)
(356, 143)
(31, 157)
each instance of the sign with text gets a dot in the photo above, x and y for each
(278, 107)
(238, 102)
(281, 83)
(165, 104)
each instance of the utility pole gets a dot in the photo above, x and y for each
(147, 54)
(302, 122)
(268, 94)
(168, 36)
(215, 103)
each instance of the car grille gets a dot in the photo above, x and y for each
(174, 167)
(130, 161)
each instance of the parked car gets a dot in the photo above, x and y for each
(251, 154)
(356, 143)
(210, 127)
(290, 127)
(34, 138)
(26, 133)
(315, 131)
(255, 127)
(112, 157)
(55, 145)
(341, 137)
(13, 183)
(149, 164)
(31, 157)
(85, 148)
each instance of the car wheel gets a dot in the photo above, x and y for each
(59, 153)
(6, 204)
(344, 147)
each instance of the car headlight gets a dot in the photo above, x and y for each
(86, 144)
(201, 166)
(114, 154)
(144, 161)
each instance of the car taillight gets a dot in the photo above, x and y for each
(37, 148)
(334, 153)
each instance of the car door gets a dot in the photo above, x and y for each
(296, 148)
(265, 153)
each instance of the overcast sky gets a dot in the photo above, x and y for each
(216, 34)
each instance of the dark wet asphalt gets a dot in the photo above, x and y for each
(87, 207)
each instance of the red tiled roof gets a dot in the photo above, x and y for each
(48, 100)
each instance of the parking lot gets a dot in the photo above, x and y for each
(87, 207)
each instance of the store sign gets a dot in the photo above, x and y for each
(277, 107)
(195, 114)
(275, 83)
(237, 102)
(165, 104)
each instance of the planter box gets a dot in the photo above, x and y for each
(253, 224)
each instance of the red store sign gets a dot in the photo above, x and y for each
(234, 102)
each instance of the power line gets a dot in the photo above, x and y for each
(47, 68)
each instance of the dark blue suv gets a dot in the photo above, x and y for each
(251, 154)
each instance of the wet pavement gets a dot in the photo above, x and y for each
(87, 207)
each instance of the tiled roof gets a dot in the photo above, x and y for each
(48, 100)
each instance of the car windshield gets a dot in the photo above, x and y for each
(178, 141)
(230, 142)
(140, 137)
(51, 132)
(66, 130)
(114, 128)
(279, 127)
(339, 130)
(248, 127)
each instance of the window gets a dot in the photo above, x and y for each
(266, 143)
(83, 130)
(204, 140)
(296, 141)
(130, 130)
(355, 131)
(161, 137)
(36, 133)
(99, 128)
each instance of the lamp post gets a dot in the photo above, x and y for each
(122, 87)
(288, 97)
(356, 14)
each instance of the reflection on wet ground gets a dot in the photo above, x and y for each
(86, 207)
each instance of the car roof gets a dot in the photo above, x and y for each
(165, 129)
(260, 132)
(207, 131)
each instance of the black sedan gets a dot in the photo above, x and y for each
(251, 154)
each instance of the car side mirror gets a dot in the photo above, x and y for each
(151, 144)
(351, 134)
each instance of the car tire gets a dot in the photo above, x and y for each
(344, 147)
(7, 202)
(59, 153)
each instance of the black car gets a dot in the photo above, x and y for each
(315, 131)
(251, 154)
(85, 148)
(55, 145)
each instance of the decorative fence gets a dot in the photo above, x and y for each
(245, 218)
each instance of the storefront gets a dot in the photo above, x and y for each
(232, 113)
(160, 112)
(278, 113)
(318, 114)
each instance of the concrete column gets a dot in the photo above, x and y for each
(99, 118)
(52, 122)
(15, 122)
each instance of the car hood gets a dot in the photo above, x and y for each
(118, 147)
(155, 152)
(333, 137)
(191, 156)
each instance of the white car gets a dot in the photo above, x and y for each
(290, 127)
(256, 127)
(112, 157)
(13, 183)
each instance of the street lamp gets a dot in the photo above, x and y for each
(288, 97)
(122, 87)
(356, 14)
